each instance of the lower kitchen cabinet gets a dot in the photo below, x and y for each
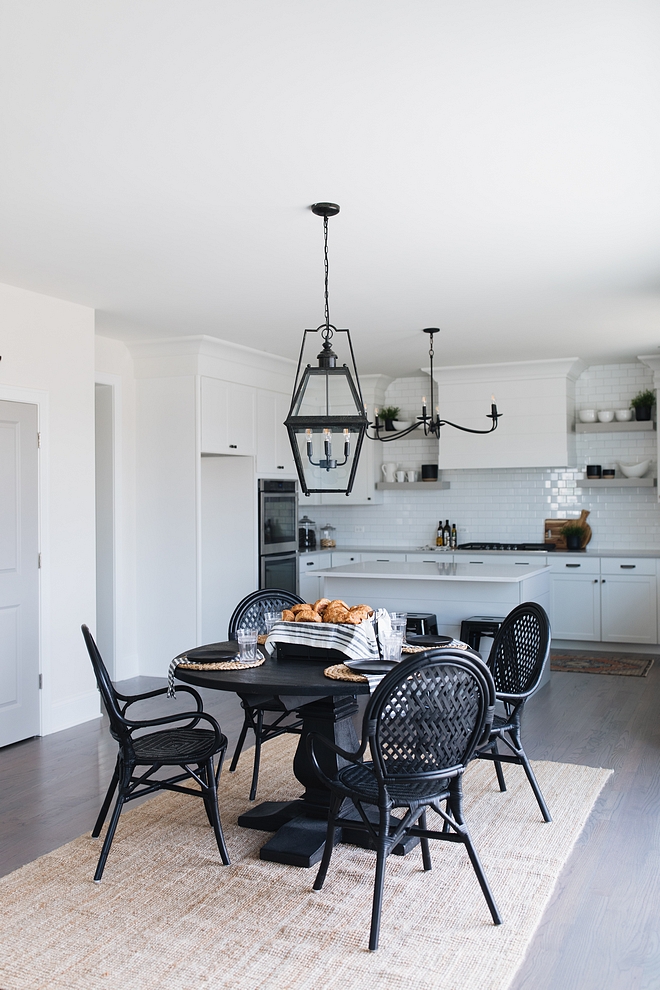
(609, 599)
(629, 601)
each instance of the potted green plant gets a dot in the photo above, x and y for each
(389, 413)
(573, 533)
(643, 404)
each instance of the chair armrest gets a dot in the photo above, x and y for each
(177, 717)
(132, 698)
(314, 737)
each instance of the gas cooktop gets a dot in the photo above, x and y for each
(528, 547)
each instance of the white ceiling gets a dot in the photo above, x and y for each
(496, 163)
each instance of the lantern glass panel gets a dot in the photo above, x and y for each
(320, 478)
(326, 392)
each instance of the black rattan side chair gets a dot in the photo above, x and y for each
(182, 746)
(422, 723)
(251, 612)
(517, 659)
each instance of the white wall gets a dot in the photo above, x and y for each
(47, 345)
(114, 366)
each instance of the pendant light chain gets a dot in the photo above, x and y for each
(327, 333)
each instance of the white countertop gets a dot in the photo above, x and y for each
(442, 571)
(502, 554)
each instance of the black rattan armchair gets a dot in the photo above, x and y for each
(251, 612)
(423, 724)
(184, 746)
(517, 658)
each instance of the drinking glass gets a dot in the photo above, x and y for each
(270, 618)
(247, 644)
(391, 646)
(398, 622)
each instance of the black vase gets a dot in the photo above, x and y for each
(574, 541)
(389, 426)
(643, 413)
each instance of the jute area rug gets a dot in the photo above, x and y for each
(169, 916)
(585, 662)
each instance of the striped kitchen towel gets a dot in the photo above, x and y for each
(355, 642)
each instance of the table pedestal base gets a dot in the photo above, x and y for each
(301, 825)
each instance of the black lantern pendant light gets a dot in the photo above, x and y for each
(327, 419)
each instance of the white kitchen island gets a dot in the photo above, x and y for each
(452, 592)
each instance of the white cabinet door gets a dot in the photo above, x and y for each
(309, 583)
(274, 457)
(228, 417)
(364, 486)
(575, 606)
(629, 603)
(431, 558)
(384, 556)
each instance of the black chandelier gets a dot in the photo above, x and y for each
(327, 411)
(432, 423)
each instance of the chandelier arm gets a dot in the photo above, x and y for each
(466, 429)
(393, 436)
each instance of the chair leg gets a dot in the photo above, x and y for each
(110, 834)
(379, 879)
(531, 776)
(424, 843)
(456, 803)
(96, 831)
(203, 773)
(211, 803)
(335, 805)
(257, 755)
(498, 767)
(239, 744)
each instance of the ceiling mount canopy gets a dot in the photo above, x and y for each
(327, 421)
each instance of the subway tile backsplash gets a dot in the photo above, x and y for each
(510, 504)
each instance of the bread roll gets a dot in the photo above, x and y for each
(320, 604)
(288, 616)
(308, 616)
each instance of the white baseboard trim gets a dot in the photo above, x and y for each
(74, 711)
(590, 646)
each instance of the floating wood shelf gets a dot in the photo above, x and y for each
(633, 426)
(617, 483)
(423, 486)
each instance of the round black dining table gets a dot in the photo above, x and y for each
(300, 825)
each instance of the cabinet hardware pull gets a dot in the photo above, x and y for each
(233, 446)
(595, 580)
(310, 563)
(574, 565)
(521, 563)
(475, 561)
(603, 581)
(627, 567)
(280, 467)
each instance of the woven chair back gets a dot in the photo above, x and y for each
(118, 728)
(427, 716)
(251, 611)
(520, 649)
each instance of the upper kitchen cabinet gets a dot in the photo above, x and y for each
(537, 402)
(274, 457)
(228, 413)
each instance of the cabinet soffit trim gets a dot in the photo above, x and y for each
(569, 368)
(652, 361)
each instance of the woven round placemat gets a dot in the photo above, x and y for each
(340, 672)
(222, 665)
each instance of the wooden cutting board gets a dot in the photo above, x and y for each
(553, 526)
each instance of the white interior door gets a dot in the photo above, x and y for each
(19, 573)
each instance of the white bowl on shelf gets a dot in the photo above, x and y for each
(401, 424)
(635, 470)
(605, 415)
(587, 415)
(623, 415)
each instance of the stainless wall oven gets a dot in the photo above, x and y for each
(278, 534)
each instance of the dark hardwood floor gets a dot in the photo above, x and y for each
(600, 931)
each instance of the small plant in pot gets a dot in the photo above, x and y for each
(389, 413)
(643, 404)
(573, 533)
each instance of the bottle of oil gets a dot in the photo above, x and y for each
(446, 534)
(454, 536)
(439, 539)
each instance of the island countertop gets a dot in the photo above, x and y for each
(440, 571)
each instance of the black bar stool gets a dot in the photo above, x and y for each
(476, 626)
(422, 624)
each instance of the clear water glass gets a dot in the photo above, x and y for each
(391, 646)
(398, 622)
(247, 644)
(270, 618)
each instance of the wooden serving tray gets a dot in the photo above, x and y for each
(553, 527)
